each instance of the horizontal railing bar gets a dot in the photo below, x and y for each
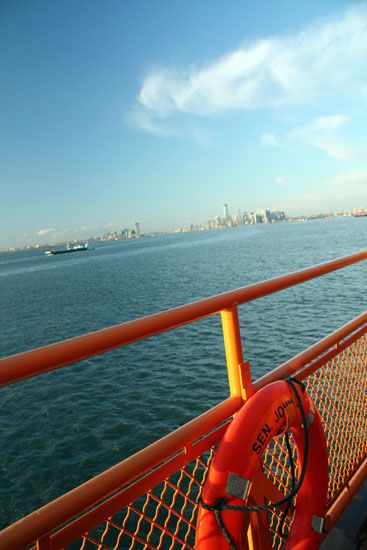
(56, 513)
(350, 488)
(63, 509)
(117, 502)
(302, 359)
(31, 363)
(332, 353)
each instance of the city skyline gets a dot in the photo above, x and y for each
(118, 231)
(53, 235)
(112, 115)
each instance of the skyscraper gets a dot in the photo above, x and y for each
(225, 213)
(137, 229)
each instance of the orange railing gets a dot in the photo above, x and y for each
(150, 499)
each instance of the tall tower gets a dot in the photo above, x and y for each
(137, 229)
(225, 212)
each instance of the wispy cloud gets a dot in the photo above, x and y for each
(148, 122)
(281, 180)
(340, 149)
(322, 133)
(326, 59)
(45, 231)
(330, 122)
(269, 139)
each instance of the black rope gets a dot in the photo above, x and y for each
(224, 530)
(222, 505)
(280, 530)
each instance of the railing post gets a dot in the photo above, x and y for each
(239, 375)
(44, 543)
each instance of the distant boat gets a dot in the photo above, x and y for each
(75, 248)
(360, 214)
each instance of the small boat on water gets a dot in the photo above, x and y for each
(360, 214)
(75, 248)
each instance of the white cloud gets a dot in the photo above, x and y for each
(45, 231)
(269, 140)
(331, 122)
(339, 149)
(281, 180)
(322, 133)
(325, 59)
(145, 121)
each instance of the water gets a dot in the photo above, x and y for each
(63, 427)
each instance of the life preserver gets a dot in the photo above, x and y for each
(268, 413)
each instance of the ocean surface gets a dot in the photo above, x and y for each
(59, 429)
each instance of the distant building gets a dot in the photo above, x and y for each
(255, 217)
(263, 216)
(269, 216)
(225, 213)
(277, 215)
(137, 230)
(247, 218)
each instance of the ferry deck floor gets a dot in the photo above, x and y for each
(350, 531)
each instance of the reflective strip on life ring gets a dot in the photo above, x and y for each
(268, 413)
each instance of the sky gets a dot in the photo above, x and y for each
(160, 112)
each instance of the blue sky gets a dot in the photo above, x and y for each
(159, 112)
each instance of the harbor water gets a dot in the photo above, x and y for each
(59, 429)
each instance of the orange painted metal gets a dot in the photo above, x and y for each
(55, 526)
(73, 503)
(44, 543)
(346, 495)
(233, 348)
(94, 517)
(258, 531)
(340, 389)
(312, 353)
(28, 364)
(270, 411)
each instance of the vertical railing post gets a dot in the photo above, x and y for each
(239, 375)
(240, 384)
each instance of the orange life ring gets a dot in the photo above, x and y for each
(268, 413)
